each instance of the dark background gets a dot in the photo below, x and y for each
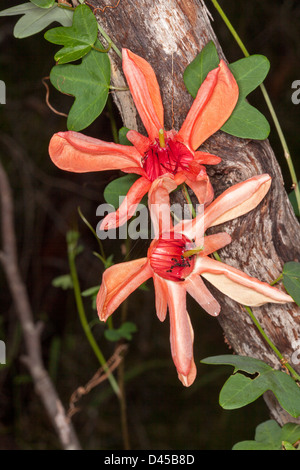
(162, 414)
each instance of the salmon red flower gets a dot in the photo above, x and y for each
(178, 258)
(162, 152)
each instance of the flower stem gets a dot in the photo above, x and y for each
(80, 307)
(282, 139)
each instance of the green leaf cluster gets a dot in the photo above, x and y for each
(88, 81)
(245, 121)
(36, 18)
(64, 282)
(77, 39)
(270, 436)
(251, 379)
(124, 332)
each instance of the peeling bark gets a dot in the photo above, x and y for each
(169, 34)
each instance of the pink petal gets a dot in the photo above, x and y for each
(128, 206)
(237, 200)
(187, 380)
(214, 103)
(161, 297)
(232, 203)
(238, 285)
(73, 151)
(159, 203)
(145, 91)
(181, 332)
(203, 189)
(214, 243)
(198, 290)
(118, 282)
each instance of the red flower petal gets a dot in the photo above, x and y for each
(73, 151)
(181, 332)
(118, 282)
(145, 91)
(128, 206)
(198, 290)
(161, 297)
(214, 103)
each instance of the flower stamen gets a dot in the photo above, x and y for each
(194, 251)
(161, 138)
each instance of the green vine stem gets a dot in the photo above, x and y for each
(72, 250)
(112, 44)
(188, 199)
(286, 151)
(276, 280)
(276, 351)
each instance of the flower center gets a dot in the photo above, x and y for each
(166, 257)
(166, 156)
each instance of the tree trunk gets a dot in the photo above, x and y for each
(169, 34)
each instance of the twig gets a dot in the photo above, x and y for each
(31, 331)
(99, 377)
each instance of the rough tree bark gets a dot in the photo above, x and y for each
(169, 34)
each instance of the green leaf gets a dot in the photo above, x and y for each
(287, 445)
(245, 121)
(240, 389)
(196, 72)
(293, 201)
(77, 39)
(125, 331)
(88, 82)
(43, 3)
(250, 73)
(90, 292)
(112, 335)
(291, 279)
(36, 19)
(269, 436)
(118, 188)
(64, 282)
(291, 432)
(127, 328)
(122, 136)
